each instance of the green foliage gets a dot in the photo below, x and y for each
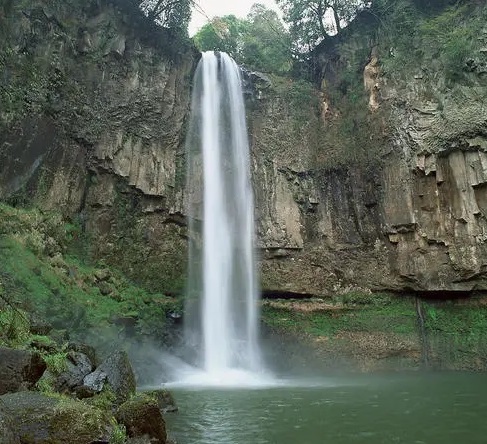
(376, 313)
(118, 434)
(410, 34)
(168, 13)
(260, 41)
(454, 38)
(62, 288)
(221, 34)
(311, 21)
(104, 400)
(468, 323)
(56, 362)
(46, 384)
(14, 326)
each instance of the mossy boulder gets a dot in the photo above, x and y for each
(117, 371)
(41, 419)
(7, 434)
(164, 399)
(19, 369)
(142, 417)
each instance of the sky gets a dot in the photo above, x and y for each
(213, 8)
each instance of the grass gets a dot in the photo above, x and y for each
(39, 276)
(355, 312)
(466, 323)
(56, 362)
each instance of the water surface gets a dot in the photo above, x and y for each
(447, 408)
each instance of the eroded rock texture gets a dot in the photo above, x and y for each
(95, 127)
(409, 214)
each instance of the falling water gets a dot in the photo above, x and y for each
(222, 292)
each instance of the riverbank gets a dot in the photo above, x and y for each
(380, 332)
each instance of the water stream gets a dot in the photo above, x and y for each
(222, 310)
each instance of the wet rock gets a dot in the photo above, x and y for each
(164, 399)
(7, 434)
(142, 418)
(86, 349)
(19, 369)
(95, 381)
(117, 371)
(78, 366)
(40, 419)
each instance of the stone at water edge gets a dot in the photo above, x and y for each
(41, 419)
(19, 369)
(164, 399)
(141, 416)
(117, 371)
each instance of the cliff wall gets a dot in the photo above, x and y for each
(384, 185)
(94, 106)
(375, 185)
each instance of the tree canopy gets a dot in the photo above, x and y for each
(311, 21)
(172, 14)
(259, 41)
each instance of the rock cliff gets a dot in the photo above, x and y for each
(94, 108)
(388, 192)
(384, 190)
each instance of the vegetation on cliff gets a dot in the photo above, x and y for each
(42, 272)
(380, 331)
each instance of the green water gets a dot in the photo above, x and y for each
(415, 408)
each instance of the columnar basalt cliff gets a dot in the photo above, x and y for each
(398, 201)
(393, 197)
(95, 103)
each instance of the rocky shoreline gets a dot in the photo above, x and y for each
(57, 392)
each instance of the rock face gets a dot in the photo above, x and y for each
(19, 369)
(41, 419)
(142, 418)
(98, 132)
(405, 212)
(101, 138)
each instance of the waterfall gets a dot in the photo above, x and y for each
(221, 309)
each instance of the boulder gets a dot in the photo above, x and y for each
(142, 417)
(117, 371)
(41, 419)
(19, 369)
(164, 399)
(86, 349)
(78, 366)
(7, 433)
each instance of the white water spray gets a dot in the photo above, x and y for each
(222, 313)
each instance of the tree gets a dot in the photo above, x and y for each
(260, 41)
(266, 44)
(311, 21)
(222, 34)
(172, 14)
